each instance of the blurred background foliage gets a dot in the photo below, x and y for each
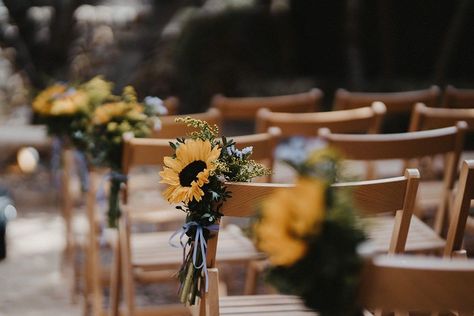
(196, 48)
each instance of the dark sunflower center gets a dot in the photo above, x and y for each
(190, 172)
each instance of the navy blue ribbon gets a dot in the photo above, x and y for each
(199, 242)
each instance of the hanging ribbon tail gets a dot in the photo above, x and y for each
(200, 244)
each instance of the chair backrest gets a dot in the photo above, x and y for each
(399, 104)
(460, 209)
(361, 120)
(171, 129)
(151, 151)
(447, 141)
(245, 108)
(424, 117)
(421, 284)
(458, 98)
(396, 102)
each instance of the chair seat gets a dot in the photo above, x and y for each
(420, 236)
(263, 305)
(152, 250)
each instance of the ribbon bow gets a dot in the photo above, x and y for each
(199, 242)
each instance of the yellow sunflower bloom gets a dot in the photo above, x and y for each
(288, 217)
(189, 171)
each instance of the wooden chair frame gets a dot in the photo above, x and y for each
(171, 129)
(424, 117)
(458, 98)
(460, 210)
(370, 197)
(361, 120)
(396, 102)
(403, 284)
(412, 145)
(142, 151)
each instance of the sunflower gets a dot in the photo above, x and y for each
(189, 171)
(288, 218)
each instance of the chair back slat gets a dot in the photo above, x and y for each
(424, 118)
(403, 284)
(246, 108)
(377, 196)
(145, 151)
(396, 102)
(171, 129)
(458, 98)
(360, 120)
(396, 146)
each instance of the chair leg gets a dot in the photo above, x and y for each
(115, 282)
(251, 278)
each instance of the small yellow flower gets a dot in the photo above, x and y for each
(288, 218)
(43, 102)
(189, 171)
(59, 100)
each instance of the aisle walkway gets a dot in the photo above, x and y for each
(30, 281)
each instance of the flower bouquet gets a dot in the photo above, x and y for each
(116, 118)
(66, 109)
(195, 175)
(310, 234)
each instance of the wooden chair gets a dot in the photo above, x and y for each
(147, 257)
(171, 129)
(446, 141)
(398, 283)
(360, 120)
(399, 104)
(459, 215)
(458, 98)
(396, 195)
(246, 108)
(424, 117)
(404, 284)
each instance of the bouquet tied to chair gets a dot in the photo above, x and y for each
(311, 234)
(118, 117)
(196, 176)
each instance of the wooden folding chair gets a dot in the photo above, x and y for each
(171, 129)
(394, 195)
(458, 98)
(147, 257)
(417, 284)
(424, 117)
(394, 283)
(75, 221)
(446, 141)
(361, 120)
(399, 104)
(244, 110)
(459, 215)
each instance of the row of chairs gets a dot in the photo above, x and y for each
(144, 149)
(386, 243)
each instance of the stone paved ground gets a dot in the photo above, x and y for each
(30, 279)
